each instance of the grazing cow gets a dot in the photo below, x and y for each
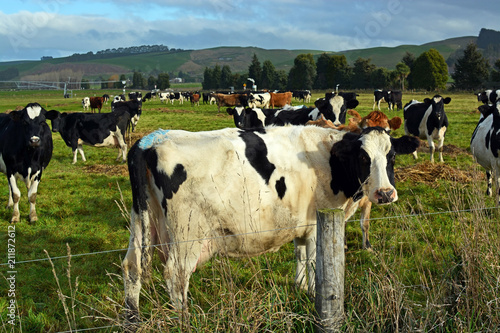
(86, 103)
(96, 103)
(395, 99)
(25, 152)
(147, 97)
(261, 100)
(194, 99)
(302, 95)
(379, 96)
(164, 96)
(134, 109)
(427, 120)
(98, 130)
(485, 144)
(176, 96)
(357, 125)
(488, 96)
(245, 193)
(230, 100)
(280, 99)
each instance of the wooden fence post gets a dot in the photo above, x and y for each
(330, 267)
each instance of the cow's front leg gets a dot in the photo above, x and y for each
(15, 196)
(32, 192)
(432, 148)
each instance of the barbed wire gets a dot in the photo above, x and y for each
(250, 233)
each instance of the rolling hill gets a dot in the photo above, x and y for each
(194, 62)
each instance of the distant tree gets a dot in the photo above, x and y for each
(208, 79)
(255, 70)
(152, 82)
(362, 73)
(331, 70)
(471, 70)
(322, 73)
(408, 59)
(216, 75)
(380, 78)
(163, 81)
(429, 71)
(280, 80)
(85, 84)
(226, 77)
(495, 72)
(268, 75)
(137, 80)
(402, 72)
(303, 72)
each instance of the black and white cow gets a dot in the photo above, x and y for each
(259, 100)
(380, 96)
(176, 96)
(134, 109)
(488, 96)
(485, 144)
(135, 95)
(192, 184)
(98, 130)
(427, 120)
(25, 151)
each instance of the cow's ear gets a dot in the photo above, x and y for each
(16, 115)
(427, 101)
(351, 104)
(405, 144)
(447, 100)
(395, 123)
(52, 114)
(230, 111)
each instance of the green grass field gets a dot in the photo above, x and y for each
(436, 264)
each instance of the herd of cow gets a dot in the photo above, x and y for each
(260, 183)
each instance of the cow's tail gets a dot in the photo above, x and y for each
(140, 215)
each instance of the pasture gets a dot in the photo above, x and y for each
(436, 264)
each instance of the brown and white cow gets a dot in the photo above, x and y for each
(96, 102)
(223, 100)
(244, 193)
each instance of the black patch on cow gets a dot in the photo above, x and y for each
(256, 153)
(281, 187)
(350, 165)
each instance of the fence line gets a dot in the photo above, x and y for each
(250, 233)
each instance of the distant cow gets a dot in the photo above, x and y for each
(244, 193)
(105, 98)
(194, 99)
(135, 95)
(427, 120)
(224, 100)
(86, 103)
(25, 151)
(280, 99)
(176, 96)
(485, 144)
(259, 100)
(134, 109)
(395, 99)
(164, 96)
(98, 130)
(96, 103)
(380, 96)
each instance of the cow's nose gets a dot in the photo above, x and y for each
(385, 195)
(35, 141)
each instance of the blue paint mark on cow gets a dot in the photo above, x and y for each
(152, 139)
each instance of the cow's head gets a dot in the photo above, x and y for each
(437, 102)
(364, 164)
(33, 123)
(334, 108)
(238, 113)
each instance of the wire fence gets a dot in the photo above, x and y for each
(251, 233)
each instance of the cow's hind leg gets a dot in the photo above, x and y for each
(181, 263)
(489, 182)
(305, 252)
(132, 271)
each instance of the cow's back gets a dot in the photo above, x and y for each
(415, 118)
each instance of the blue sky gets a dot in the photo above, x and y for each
(30, 29)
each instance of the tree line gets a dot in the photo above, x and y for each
(428, 71)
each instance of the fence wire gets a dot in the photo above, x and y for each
(249, 233)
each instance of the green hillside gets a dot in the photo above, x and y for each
(194, 62)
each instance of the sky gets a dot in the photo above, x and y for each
(30, 29)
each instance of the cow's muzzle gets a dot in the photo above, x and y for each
(384, 196)
(35, 141)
